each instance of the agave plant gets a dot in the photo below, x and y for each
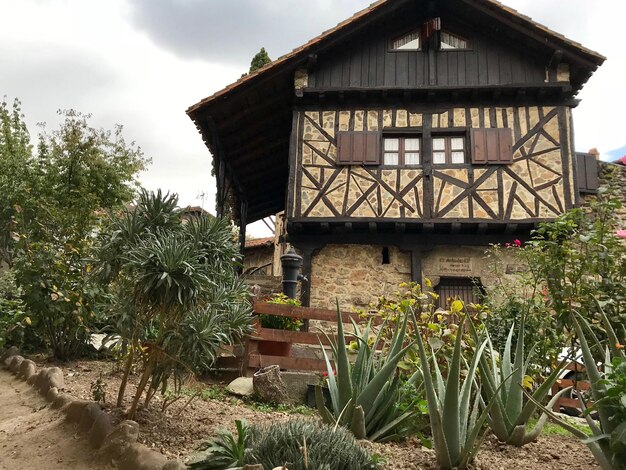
(502, 383)
(300, 443)
(608, 442)
(364, 394)
(225, 450)
(453, 405)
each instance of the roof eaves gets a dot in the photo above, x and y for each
(599, 58)
(290, 55)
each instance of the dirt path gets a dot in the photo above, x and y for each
(32, 436)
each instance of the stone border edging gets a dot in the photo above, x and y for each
(115, 445)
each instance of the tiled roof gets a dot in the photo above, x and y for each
(258, 242)
(491, 4)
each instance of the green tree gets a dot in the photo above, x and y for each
(15, 161)
(76, 174)
(259, 60)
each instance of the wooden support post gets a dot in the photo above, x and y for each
(416, 266)
(243, 222)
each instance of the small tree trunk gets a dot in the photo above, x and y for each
(149, 395)
(268, 385)
(127, 368)
(141, 387)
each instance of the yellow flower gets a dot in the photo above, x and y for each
(28, 321)
(456, 306)
(527, 383)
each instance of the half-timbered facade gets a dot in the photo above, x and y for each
(402, 142)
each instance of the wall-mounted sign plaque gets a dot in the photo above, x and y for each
(455, 265)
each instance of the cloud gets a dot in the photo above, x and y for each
(233, 31)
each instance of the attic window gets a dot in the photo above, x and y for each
(451, 42)
(408, 42)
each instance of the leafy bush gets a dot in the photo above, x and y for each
(580, 259)
(437, 327)
(56, 294)
(281, 323)
(60, 191)
(15, 325)
(523, 294)
(300, 444)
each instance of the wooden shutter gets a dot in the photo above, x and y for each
(587, 166)
(344, 148)
(358, 148)
(492, 146)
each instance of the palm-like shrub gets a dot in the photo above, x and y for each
(364, 395)
(175, 290)
(502, 383)
(299, 444)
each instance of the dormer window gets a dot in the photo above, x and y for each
(452, 42)
(408, 42)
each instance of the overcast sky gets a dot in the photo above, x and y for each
(142, 63)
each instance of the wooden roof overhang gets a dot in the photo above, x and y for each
(247, 125)
(444, 96)
(409, 232)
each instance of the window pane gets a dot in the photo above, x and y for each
(412, 158)
(391, 158)
(409, 42)
(439, 143)
(439, 158)
(411, 144)
(451, 41)
(456, 143)
(392, 144)
(458, 157)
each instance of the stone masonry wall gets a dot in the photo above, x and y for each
(355, 275)
(463, 262)
(259, 256)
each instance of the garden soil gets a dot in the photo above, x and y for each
(32, 436)
(180, 429)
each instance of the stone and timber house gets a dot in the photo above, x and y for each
(404, 141)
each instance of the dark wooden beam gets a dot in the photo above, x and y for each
(510, 228)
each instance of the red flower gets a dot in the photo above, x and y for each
(507, 245)
(621, 233)
(517, 243)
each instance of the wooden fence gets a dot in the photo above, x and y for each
(578, 386)
(251, 359)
